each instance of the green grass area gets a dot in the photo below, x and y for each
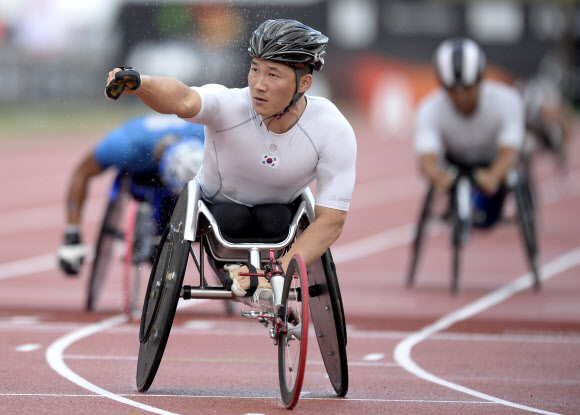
(50, 119)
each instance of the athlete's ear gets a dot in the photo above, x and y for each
(305, 83)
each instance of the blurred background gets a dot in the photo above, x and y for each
(55, 54)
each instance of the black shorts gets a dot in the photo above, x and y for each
(260, 223)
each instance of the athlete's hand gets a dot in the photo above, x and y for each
(487, 181)
(243, 282)
(444, 181)
(122, 81)
(71, 254)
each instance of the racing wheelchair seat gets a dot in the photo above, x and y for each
(199, 222)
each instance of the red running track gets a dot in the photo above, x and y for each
(509, 351)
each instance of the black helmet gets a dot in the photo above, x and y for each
(290, 42)
(459, 62)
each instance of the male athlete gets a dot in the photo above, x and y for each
(469, 122)
(265, 143)
(157, 150)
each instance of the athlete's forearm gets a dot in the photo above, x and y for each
(318, 236)
(504, 162)
(168, 96)
(77, 190)
(430, 167)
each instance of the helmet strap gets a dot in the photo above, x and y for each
(297, 96)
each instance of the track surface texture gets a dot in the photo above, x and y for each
(496, 347)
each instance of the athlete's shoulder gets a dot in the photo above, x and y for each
(433, 103)
(326, 113)
(500, 90)
(327, 127)
(435, 97)
(222, 91)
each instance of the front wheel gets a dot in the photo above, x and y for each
(293, 343)
(526, 222)
(111, 234)
(160, 304)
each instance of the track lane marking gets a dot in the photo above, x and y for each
(373, 357)
(55, 358)
(80, 395)
(27, 347)
(402, 352)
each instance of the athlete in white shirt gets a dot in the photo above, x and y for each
(468, 120)
(265, 143)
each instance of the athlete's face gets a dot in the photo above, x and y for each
(464, 98)
(272, 86)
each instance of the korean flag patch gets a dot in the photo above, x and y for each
(270, 161)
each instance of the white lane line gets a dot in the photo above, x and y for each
(379, 242)
(149, 395)
(223, 361)
(41, 263)
(247, 331)
(373, 357)
(28, 347)
(402, 353)
(388, 239)
(20, 321)
(54, 357)
(27, 266)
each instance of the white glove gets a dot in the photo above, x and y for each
(235, 285)
(71, 254)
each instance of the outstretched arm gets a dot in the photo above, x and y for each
(165, 95)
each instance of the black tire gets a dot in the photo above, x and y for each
(328, 319)
(110, 232)
(293, 344)
(456, 266)
(143, 235)
(527, 225)
(419, 236)
(162, 296)
(332, 281)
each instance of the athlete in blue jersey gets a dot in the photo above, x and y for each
(157, 151)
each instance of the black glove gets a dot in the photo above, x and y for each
(71, 254)
(126, 77)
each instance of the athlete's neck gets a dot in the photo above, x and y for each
(281, 125)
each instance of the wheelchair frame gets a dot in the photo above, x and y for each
(460, 220)
(193, 222)
(123, 221)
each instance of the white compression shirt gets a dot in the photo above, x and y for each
(245, 163)
(498, 121)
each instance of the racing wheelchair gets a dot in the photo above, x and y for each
(284, 309)
(460, 212)
(128, 230)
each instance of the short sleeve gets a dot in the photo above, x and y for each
(512, 129)
(426, 135)
(336, 169)
(211, 112)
